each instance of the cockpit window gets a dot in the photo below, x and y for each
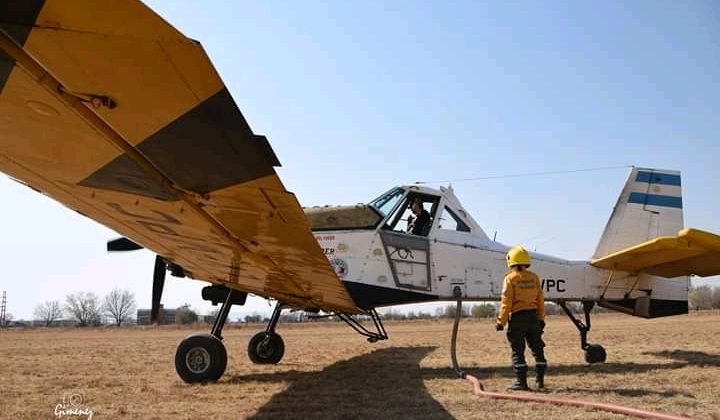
(417, 222)
(450, 221)
(386, 202)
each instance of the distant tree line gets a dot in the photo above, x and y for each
(87, 309)
(118, 307)
(704, 297)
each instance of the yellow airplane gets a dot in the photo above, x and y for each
(117, 115)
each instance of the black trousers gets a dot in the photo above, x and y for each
(524, 327)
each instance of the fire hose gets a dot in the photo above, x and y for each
(479, 389)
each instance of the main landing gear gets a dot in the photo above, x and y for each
(267, 347)
(203, 358)
(594, 353)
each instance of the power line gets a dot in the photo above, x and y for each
(527, 174)
(3, 306)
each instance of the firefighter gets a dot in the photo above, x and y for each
(523, 303)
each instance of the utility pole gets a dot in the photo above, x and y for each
(3, 305)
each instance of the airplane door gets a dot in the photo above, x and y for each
(409, 259)
(452, 258)
(449, 263)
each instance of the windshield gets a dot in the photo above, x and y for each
(386, 202)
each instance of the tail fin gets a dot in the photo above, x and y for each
(650, 205)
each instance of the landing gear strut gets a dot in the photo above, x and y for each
(202, 357)
(594, 353)
(267, 347)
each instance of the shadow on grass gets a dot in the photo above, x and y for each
(387, 383)
(681, 359)
(627, 392)
(694, 358)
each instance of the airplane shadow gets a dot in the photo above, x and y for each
(681, 359)
(695, 358)
(386, 383)
(627, 392)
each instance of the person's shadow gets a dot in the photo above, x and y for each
(386, 383)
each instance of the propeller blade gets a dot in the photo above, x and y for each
(122, 244)
(158, 284)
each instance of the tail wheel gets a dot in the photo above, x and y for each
(595, 353)
(266, 348)
(200, 358)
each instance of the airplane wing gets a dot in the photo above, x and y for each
(117, 115)
(692, 251)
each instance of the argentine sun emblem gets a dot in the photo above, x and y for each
(340, 267)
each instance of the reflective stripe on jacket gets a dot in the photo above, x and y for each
(522, 290)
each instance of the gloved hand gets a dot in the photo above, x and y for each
(542, 326)
(499, 327)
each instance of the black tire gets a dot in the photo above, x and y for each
(266, 348)
(595, 353)
(200, 358)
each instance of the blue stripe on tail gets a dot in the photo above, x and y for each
(656, 200)
(658, 178)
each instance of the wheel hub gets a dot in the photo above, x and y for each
(265, 348)
(197, 360)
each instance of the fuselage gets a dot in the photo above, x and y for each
(382, 264)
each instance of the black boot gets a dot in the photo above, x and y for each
(540, 376)
(520, 383)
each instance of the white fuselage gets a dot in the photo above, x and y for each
(387, 266)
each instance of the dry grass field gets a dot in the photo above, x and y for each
(669, 365)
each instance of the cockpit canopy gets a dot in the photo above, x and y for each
(396, 206)
(393, 210)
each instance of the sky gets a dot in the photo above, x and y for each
(357, 97)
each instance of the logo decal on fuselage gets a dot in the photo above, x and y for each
(340, 267)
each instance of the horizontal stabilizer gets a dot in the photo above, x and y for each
(692, 251)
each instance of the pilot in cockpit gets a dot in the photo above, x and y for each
(419, 223)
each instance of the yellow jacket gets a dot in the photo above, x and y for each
(522, 290)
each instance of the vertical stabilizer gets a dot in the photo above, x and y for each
(650, 205)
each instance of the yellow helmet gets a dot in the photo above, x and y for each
(517, 255)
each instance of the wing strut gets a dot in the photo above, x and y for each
(372, 336)
(352, 321)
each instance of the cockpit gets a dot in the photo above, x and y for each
(396, 208)
(411, 210)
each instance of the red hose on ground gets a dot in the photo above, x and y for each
(480, 392)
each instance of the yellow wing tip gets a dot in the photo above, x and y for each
(701, 237)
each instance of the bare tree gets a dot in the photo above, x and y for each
(485, 310)
(185, 315)
(48, 312)
(84, 307)
(700, 297)
(716, 297)
(119, 305)
(451, 310)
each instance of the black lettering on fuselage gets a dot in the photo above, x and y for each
(556, 284)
